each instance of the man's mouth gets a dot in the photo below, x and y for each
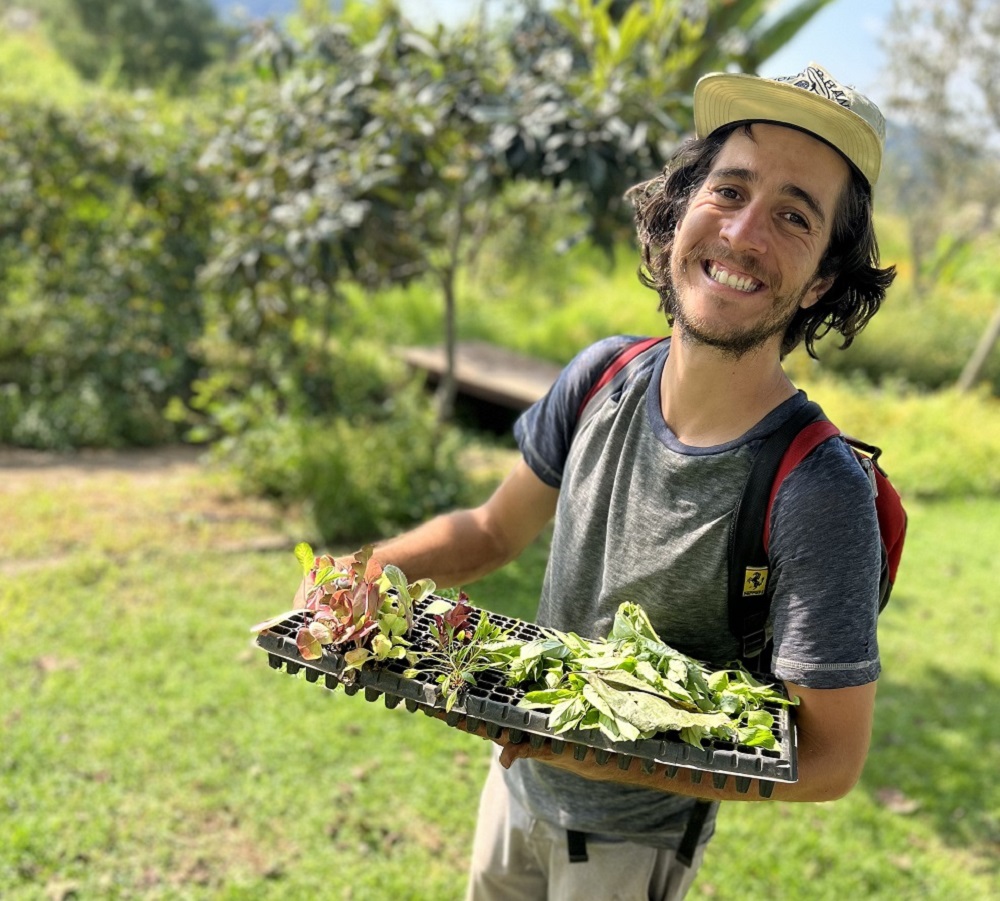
(738, 280)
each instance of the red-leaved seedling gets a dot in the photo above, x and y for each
(359, 604)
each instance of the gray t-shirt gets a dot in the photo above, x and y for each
(644, 518)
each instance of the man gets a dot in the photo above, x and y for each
(758, 236)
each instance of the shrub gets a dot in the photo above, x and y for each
(102, 231)
(371, 480)
(359, 479)
(936, 444)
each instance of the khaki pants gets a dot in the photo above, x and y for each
(518, 858)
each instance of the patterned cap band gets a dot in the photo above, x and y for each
(816, 80)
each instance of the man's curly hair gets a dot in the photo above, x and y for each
(852, 256)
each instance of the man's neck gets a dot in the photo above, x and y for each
(709, 397)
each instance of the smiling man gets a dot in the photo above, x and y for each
(758, 236)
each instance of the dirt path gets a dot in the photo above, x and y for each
(121, 502)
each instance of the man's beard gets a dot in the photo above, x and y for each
(734, 342)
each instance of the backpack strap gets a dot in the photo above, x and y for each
(613, 377)
(749, 570)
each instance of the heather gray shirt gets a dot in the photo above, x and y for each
(642, 517)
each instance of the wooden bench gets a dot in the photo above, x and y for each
(487, 372)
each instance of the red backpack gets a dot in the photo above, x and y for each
(749, 569)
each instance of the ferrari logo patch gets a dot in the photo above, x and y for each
(754, 581)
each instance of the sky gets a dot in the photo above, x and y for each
(843, 38)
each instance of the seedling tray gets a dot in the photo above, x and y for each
(492, 705)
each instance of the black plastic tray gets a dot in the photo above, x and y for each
(493, 704)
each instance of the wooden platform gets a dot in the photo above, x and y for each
(487, 372)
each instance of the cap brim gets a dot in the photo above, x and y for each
(723, 99)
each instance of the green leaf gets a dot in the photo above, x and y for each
(304, 554)
(439, 606)
(356, 657)
(538, 699)
(421, 589)
(760, 718)
(719, 681)
(394, 576)
(381, 646)
(567, 715)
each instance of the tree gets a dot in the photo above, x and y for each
(383, 152)
(103, 227)
(944, 56)
(142, 42)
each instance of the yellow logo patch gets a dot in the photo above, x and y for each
(754, 581)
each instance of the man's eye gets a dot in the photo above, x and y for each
(798, 220)
(728, 193)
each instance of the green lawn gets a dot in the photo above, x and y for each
(148, 751)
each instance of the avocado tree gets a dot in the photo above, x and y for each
(376, 153)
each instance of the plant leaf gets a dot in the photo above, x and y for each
(308, 646)
(304, 554)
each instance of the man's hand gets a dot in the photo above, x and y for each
(833, 728)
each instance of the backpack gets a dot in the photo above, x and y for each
(749, 591)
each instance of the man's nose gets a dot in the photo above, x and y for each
(746, 229)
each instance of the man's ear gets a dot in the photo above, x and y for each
(816, 291)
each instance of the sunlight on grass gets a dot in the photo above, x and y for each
(149, 751)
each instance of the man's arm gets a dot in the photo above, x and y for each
(457, 548)
(834, 731)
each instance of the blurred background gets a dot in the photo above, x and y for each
(224, 229)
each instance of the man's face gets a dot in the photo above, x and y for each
(746, 253)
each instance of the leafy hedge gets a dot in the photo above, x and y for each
(104, 223)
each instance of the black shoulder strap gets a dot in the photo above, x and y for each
(749, 597)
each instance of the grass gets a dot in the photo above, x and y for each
(147, 751)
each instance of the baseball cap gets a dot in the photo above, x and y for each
(813, 100)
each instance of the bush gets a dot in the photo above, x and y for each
(926, 340)
(359, 479)
(103, 228)
(365, 482)
(937, 444)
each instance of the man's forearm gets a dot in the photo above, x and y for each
(682, 782)
(453, 549)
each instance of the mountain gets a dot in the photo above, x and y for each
(241, 10)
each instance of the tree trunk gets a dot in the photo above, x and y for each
(445, 395)
(977, 362)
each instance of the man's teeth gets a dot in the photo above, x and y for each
(731, 280)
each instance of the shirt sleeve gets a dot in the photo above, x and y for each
(826, 554)
(544, 431)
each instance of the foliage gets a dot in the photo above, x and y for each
(944, 88)
(935, 445)
(352, 602)
(381, 465)
(31, 69)
(462, 650)
(137, 41)
(925, 339)
(360, 152)
(377, 155)
(103, 226)
(368, 481)
(632, 686)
